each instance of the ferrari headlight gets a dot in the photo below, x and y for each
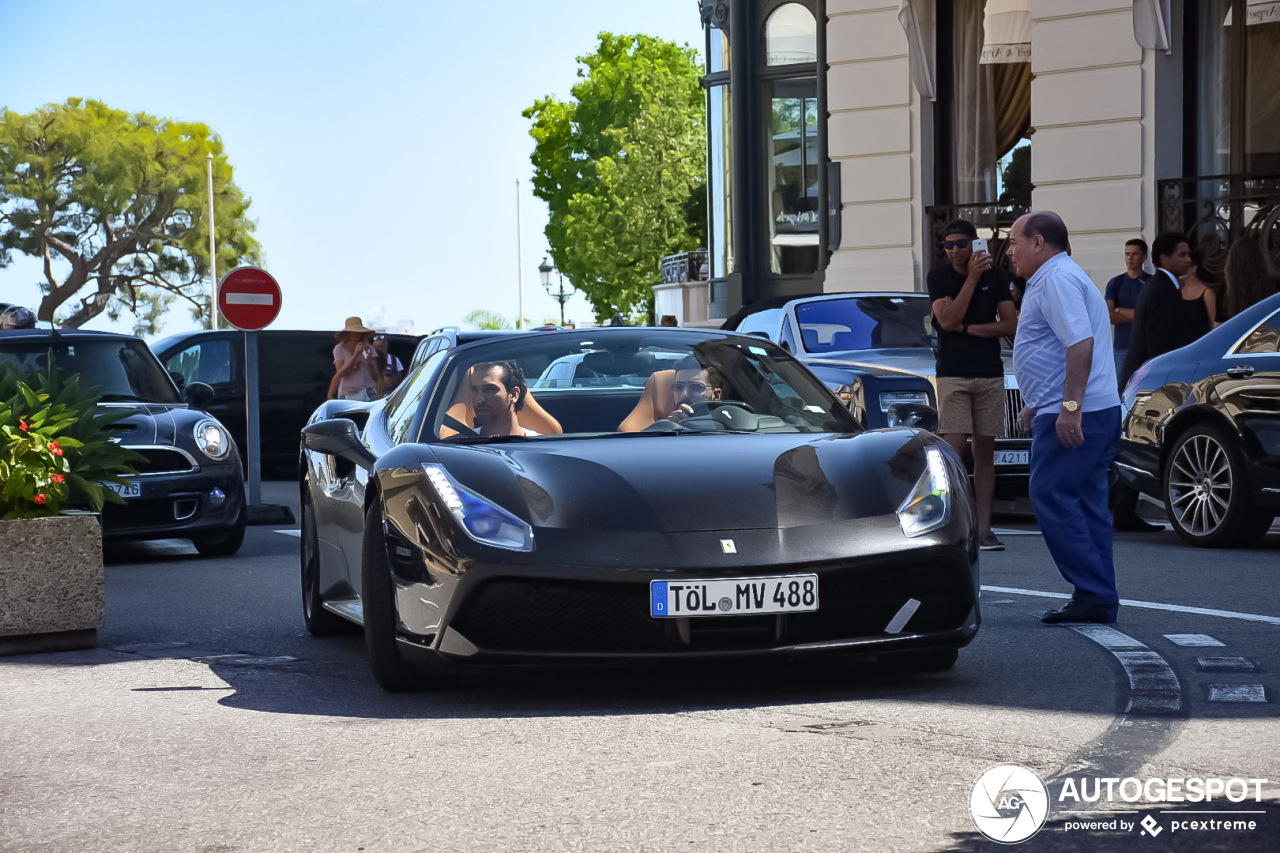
(482, 520)
(212, 439)
(928, 507)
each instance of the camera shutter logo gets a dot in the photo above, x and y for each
(1009, 804)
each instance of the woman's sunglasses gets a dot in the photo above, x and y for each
(955, 244)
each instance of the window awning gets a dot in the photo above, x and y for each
(1151, 24)
(917, 19)
(1006, 32)
(1258, 12)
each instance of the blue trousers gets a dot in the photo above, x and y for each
(1069, 491)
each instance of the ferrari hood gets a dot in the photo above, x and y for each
(682, 483)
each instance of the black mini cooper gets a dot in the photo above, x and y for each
(191, 485)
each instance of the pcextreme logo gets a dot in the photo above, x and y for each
(1009, 804)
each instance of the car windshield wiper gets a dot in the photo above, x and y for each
(121, 398)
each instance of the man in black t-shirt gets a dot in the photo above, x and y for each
(972, 310)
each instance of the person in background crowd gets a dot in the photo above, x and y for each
(1248, 275)
(973, 309)
(668, 320)
(355, 363)
(1122, 295)
(390, 368)
(1198, 297)
(17, 317)
(1160, 320)
(1068, 379)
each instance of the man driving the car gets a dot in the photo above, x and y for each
(694, 387)
(498, 392)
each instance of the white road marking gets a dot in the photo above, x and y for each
(1004, 531)
(1237, 693)
(297, 533)
(1147, 605)
(1225, 664)
(1153, 688)
(1193, 641)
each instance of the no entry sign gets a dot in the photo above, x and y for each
(249, 298)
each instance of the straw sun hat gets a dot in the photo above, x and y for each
(354, 325)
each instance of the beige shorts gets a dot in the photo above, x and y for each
(971, 406)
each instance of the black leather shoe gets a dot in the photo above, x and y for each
(1134, 524)
(1074, 611)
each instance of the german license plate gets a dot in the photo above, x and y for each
(1013, 457)
(131, 489)
(734, 596)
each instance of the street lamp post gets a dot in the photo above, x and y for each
(559, 293)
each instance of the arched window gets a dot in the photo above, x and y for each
(790, 36)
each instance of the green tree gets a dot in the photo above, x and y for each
(618, 166)
(484, 319)
(122, 200)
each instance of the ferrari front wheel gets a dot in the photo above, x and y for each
(377, 589)
(319, 622)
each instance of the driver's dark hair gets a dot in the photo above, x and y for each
(691, 363)
(510, 375)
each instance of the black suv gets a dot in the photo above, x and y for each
(190, 485)
(294, 370)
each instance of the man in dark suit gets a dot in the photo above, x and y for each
(1160, 325)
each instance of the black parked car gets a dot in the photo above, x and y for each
(294, 371)
(768, 522)
(1202, 430)
(191, 485)
(875, 350)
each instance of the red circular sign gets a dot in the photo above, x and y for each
(249, 298)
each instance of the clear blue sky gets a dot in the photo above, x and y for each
(380, 141)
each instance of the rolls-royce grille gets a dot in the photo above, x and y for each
(1012, 406)
(160, 461)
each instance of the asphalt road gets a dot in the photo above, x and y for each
(209, 720)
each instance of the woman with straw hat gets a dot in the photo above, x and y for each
(354, 363)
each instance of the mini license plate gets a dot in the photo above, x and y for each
(131, 489)
(1013, 457)
(734, 596)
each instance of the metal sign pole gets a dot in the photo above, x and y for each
(251, 416)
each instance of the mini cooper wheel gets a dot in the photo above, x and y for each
(223, 544)
(1206, 490)
(319, 622)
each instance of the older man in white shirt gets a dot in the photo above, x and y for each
(1062, 357)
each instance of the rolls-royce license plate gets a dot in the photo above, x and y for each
(734, 596)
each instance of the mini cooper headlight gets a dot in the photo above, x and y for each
(212, 439)
(928, 507)
(483, 521)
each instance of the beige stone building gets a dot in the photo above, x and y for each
(843, 134)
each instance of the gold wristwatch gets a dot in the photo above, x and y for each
(1070, 405)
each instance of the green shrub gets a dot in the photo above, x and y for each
(55, 446)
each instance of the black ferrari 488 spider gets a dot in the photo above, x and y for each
(676, 493)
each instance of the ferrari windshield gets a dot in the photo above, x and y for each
(625, 381)
(122, 369)
(864, 322)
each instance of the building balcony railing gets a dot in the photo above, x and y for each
(685, 266)
(1215, 210)
(992, 219)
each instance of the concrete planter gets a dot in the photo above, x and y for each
(51, 584)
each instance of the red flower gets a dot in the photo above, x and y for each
(41, 498)
(55, 448)
(58, 478)
(22, 425)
